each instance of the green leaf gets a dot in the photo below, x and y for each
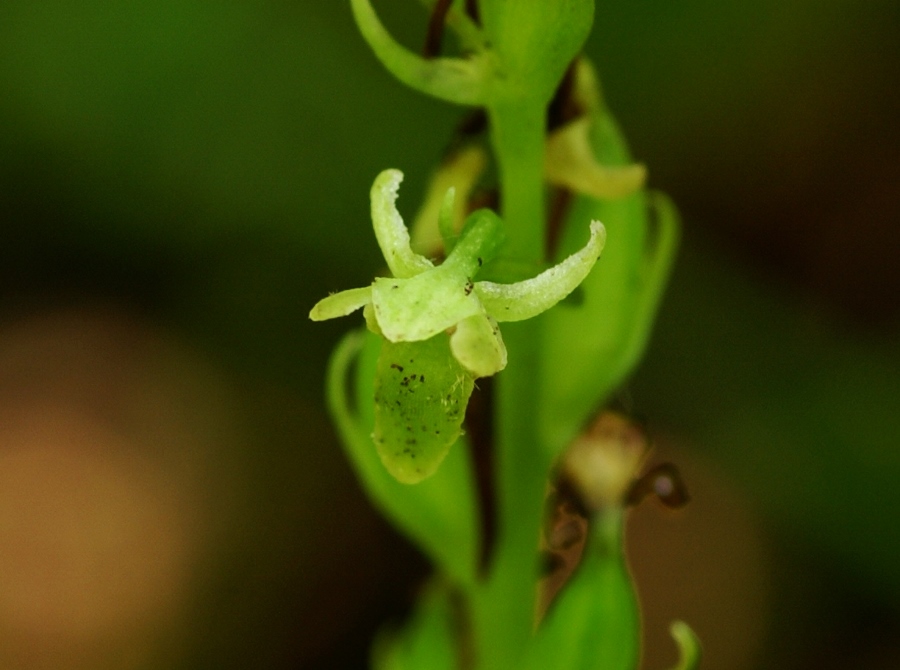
(421, 393)
(438, 514)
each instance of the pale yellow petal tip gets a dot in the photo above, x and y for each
(598, 237)
(606, 183)
(341, 304)
(388, 182)
(570, 163)
(689, 648)
(478, 346)
(408, 473)
(320, 313)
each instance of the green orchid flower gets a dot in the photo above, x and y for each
(424, 379)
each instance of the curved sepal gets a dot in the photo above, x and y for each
(457, 80)
(527, 299)
(390, 231)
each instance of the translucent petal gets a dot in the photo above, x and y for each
(526, 299)
(478, 346)
(341, 304)
(391, 232)
(570, 162)
(461, 170)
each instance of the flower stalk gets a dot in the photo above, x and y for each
(434, 328)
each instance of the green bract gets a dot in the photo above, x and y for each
(621, 297)
(521, 52)
(424, 380)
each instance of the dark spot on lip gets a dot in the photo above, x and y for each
(397, 367)
(479, 261)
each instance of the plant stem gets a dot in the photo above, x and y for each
(504, 613)
(517, 133)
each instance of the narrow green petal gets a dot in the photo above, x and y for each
(410, 310)
(479, 242)
(341, 304)
(390, 231)
(526, 299)
(463, 82)
(445, 220)
(478, 346)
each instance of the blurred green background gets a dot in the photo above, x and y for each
(181, 181)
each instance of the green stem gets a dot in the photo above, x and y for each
(517, 133)
(504, 614)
